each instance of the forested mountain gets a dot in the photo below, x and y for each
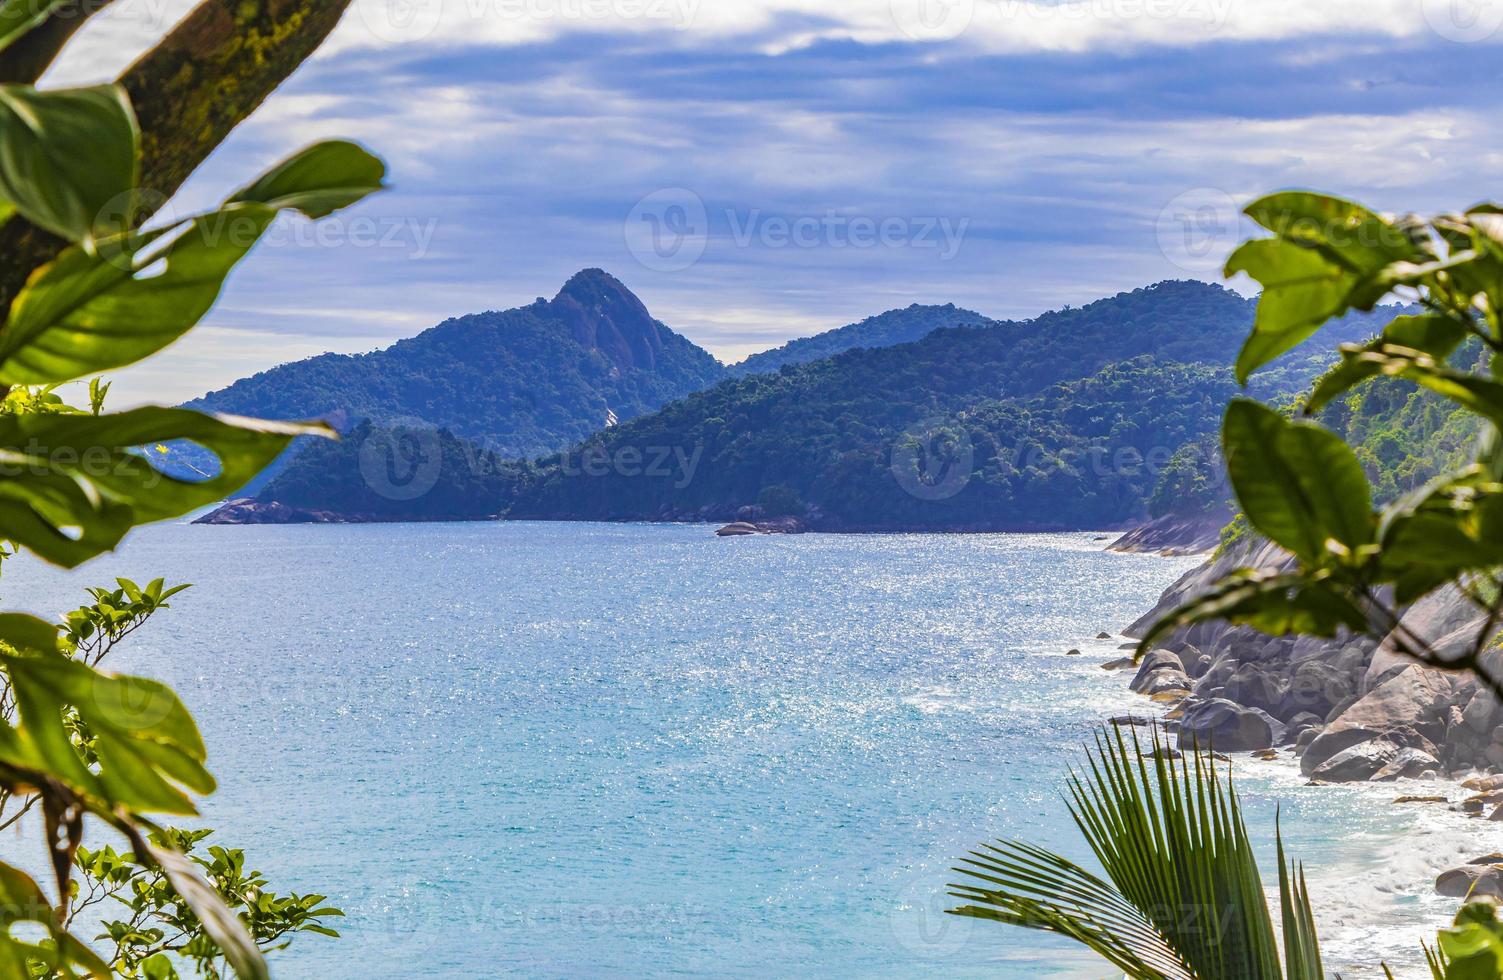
(1082, 417)
(882, 330)
(522, 382)
(1069, 420)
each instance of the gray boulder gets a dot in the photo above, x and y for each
(1301, 723)
(1315, 688)
(1256, 685)
(1481, 712)
(1358, 763)
(1155, 661)
(1165, 680)
(1410, 763)
(1414, 698)
(1444, 613)
(1227, 727)
(1471, 880)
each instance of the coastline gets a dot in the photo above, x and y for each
(1345, 716)
(1373, 887)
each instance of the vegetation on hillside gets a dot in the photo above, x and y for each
(389, 473)
(520, 383)
(1070, 420)
(883, 330)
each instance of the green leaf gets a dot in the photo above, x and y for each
(1301, 290)
(318, 180)
(69, 158)
(1472, 948)
(218, 920)
(1446, 529)
(21, 900)
(1301, 942)
(1431, 334)
(19, 16)
(1274, 603)
(145, 740)
(88, 312)
(1341, 230)
(1298, 484)
(72, 485)
(94, 309)
(1331, 256)
(1182, 898)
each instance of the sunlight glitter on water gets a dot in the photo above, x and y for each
(547, 749)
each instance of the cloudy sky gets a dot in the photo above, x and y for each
(762, 169)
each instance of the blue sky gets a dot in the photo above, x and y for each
(763, 169)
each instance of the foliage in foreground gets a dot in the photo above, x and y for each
(1303, 487)
(77, 743)
(1182, 897)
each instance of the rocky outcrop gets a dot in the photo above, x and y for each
(246, 510)
(1360, 762)
(776, 525)
(1471, 880)
(1353, 708)
(1172, 535)
(1408, 706)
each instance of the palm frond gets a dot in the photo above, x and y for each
(1182, 897)
(1301, 945)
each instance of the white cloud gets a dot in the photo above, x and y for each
(113, 38)
(991, 25)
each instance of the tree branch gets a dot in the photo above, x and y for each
(25, 60)
(210, 73)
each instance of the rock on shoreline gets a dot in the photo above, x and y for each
(776, 525)
(1352, 708)
(1172, 535)
(246, 510)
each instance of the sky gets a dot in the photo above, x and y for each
(758, 170)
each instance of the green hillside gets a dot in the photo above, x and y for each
(883, 330)
(522, 382)
(1069, 420)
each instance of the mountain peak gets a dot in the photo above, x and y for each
(587, 283)
(601, 313)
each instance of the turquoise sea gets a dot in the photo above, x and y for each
(577, 750)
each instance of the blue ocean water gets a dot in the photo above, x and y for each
(630, 750)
